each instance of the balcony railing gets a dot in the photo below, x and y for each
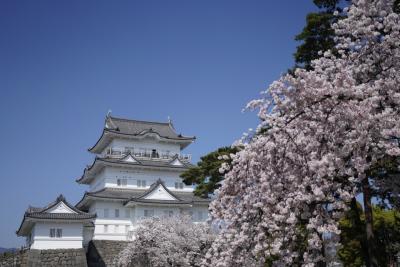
(146, 154)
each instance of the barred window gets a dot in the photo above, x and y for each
(52, 232)
(59, 233)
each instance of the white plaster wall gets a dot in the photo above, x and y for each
(98, 182)
(117, 228)
(72, 236)
(111, 174)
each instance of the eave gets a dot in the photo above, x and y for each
(88, 196)
(108, 135)
(168, 203)
(99, 163)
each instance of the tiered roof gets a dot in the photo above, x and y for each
(131, 197)
(58, 210)
(130, 161)
(118, 127)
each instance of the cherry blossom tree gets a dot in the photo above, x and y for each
(168, 241)
(326, 132)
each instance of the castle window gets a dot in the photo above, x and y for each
(116, 213)
(141, 183)
(59, 233)
(52, 232)
(106, 213)
(154, 154)
(55, 233)
(122, 182)
(178, 185)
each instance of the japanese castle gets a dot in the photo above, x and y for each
(135, 174)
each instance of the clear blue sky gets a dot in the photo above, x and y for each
(64, 64)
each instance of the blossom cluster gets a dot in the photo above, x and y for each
(167, 241)
(325, 129)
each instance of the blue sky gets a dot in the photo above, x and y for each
(64, 64)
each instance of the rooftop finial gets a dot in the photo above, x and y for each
(170, 122)
(108, 122)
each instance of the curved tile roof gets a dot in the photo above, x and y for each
(137, 195)
(36, 213)
(141, 162)
(136, 128)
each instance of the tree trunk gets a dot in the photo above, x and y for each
(371, 258)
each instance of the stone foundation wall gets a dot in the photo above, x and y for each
(101, 253)
(57, 257)
(47, 258)
(104, 253)
(18, 258)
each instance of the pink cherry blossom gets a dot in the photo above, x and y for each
(324, 130)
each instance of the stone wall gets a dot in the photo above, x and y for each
(104, 253)
(101, 253)
(47, 258)
(18, 258)
(57, 257)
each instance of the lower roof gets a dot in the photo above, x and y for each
(47, 213)
(135, 195)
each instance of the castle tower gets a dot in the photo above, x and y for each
(135, 175)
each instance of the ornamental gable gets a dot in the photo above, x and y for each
(61, 208)
(160, 193)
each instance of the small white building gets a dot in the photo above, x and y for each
(135, 174)
(59, 225)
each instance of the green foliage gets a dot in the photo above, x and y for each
(206, 174)
(387, 236)
(352, 236)
(396, 6)
(318, 34)
(386, 174)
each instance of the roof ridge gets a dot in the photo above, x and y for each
(132, 120)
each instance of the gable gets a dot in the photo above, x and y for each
(129, 158)
(60, 208)
(176, 162)
(160, 193)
